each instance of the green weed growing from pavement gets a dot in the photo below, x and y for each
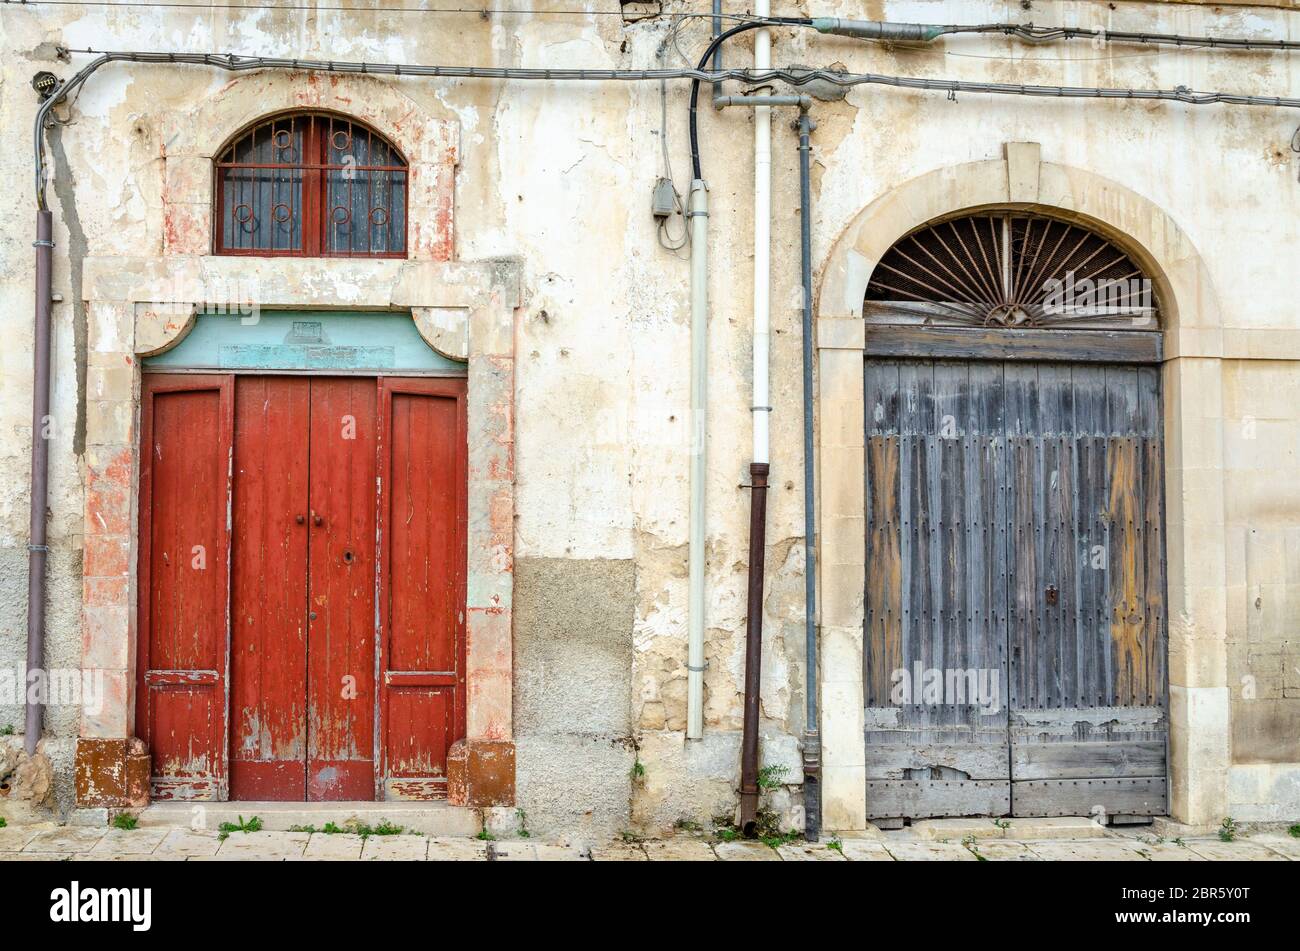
(972, 846)
(252, 825)
(365, 830)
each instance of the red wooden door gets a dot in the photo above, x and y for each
(422, 522)
(303, 666)
(282, 492)
(184, 565)
(341, 591)
(268, 638)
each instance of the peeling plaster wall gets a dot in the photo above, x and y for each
(559, 175)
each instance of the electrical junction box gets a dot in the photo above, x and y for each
(664, 200)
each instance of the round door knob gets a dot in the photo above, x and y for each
(317, 519)
(299, 519)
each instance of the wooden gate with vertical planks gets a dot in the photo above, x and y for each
(1015, 645)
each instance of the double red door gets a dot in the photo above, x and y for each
(302, 585)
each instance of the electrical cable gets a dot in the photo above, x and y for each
(338, 8)
(1025, 31)
(666, 240)
(792, 77)
(718, 40)
(1047, 34)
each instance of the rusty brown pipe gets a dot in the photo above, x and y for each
(37, 549)
(753, 648)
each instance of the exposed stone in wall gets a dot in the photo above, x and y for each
(1264, 792)
(683, 781)
(573, 663)
(26, 782)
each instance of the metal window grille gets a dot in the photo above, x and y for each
(311, 185)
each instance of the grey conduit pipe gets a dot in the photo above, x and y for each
(928, 32)
(697, 213)
(812, 744)
(37, 548)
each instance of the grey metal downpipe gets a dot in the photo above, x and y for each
(717, 53)
(37, 549)
(812, 743)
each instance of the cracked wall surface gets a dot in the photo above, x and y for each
(558, 175)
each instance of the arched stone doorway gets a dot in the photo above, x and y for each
(1187, 353)
(1014, 629)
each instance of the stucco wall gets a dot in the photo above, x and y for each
(1262, 449)
(559, 175)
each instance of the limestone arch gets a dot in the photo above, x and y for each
(1191, 318)
(1021, 181)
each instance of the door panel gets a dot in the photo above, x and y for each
(184, 583)
(1046, 563)
(341, 590)
(268, 746)
(935, 672)
(1087, 635)
(422, 511)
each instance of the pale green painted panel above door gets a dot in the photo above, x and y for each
(306, 340)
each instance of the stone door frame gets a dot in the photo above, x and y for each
(1191, 385)
(138, 306)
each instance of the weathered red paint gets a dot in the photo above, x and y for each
(303, 666)
(341, 590)
(268, 665)
(423, 446)
(184, 582)
(322, 469)
(112, 772)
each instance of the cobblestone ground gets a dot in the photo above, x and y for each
(976, 840)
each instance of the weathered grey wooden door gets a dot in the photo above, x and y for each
(1014, 639)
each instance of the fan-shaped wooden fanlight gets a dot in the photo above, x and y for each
(1010, 270)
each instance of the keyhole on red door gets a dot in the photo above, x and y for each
(347, 556)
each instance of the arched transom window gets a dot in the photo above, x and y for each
(311, 184)
(1010, 269)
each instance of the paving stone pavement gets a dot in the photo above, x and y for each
(51, 843)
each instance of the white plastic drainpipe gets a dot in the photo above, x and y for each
(698, 211)
(761, 408)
